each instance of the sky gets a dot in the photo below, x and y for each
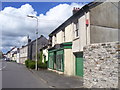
(16, 26)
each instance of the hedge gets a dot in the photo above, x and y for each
(42, 65)
(30, 64)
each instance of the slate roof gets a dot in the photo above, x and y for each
(69, 20)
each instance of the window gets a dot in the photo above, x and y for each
(76, 28)
(55, 39)
(51, 59)
(63, 35)
(59, 60)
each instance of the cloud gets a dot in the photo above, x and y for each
(16, 25)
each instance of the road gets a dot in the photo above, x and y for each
(18, 76)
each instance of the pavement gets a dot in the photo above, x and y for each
(18, 76)
(55, 80)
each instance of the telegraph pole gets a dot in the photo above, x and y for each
(36, 31)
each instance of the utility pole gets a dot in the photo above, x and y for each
(36, 67)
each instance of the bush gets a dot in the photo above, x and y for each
(30, 64)
(27, 63)
(42, 65)
(39, 63)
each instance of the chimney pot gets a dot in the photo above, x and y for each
(75, 9)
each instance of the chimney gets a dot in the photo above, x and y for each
(41, 36)
(23, 46)
(75, 9)
(29, 40)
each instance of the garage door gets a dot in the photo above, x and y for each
(79, 64)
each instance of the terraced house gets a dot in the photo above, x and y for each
(41, 42)
(61, 57)
(23, 54)
(93, 23)
(11, 54)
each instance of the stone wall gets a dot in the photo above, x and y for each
(101, 65)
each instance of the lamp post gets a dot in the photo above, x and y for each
(36, 39)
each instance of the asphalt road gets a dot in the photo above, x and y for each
(18, 76)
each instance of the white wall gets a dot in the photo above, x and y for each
(45, 52)
(23, 54)
(69, 62)
(69, 33)
(59, 37)
(53, 41)
(18, 58)
(14, 58)
(11, 53)
(84, 34)
(8, 55)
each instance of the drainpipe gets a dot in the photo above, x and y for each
(86, 27)
(79, 36)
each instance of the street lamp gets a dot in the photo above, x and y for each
(36, 38)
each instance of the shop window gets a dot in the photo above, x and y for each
(59, 60)
(51, 59)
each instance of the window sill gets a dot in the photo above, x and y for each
(75, 38)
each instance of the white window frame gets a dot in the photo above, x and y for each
(55, 38)
(76, 29)
(63, 30)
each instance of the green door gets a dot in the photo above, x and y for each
(79, 64)
(51, 59)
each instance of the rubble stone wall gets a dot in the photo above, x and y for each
(101, 63)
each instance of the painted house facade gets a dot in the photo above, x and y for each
(66, 38)
(94, 27)
(61, 58)
(18, 55)
(10, 54)
(23, 54)
(86, 26)
(14, 56)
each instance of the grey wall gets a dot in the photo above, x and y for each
(102, 34)
(104, 23)
(42, 41)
